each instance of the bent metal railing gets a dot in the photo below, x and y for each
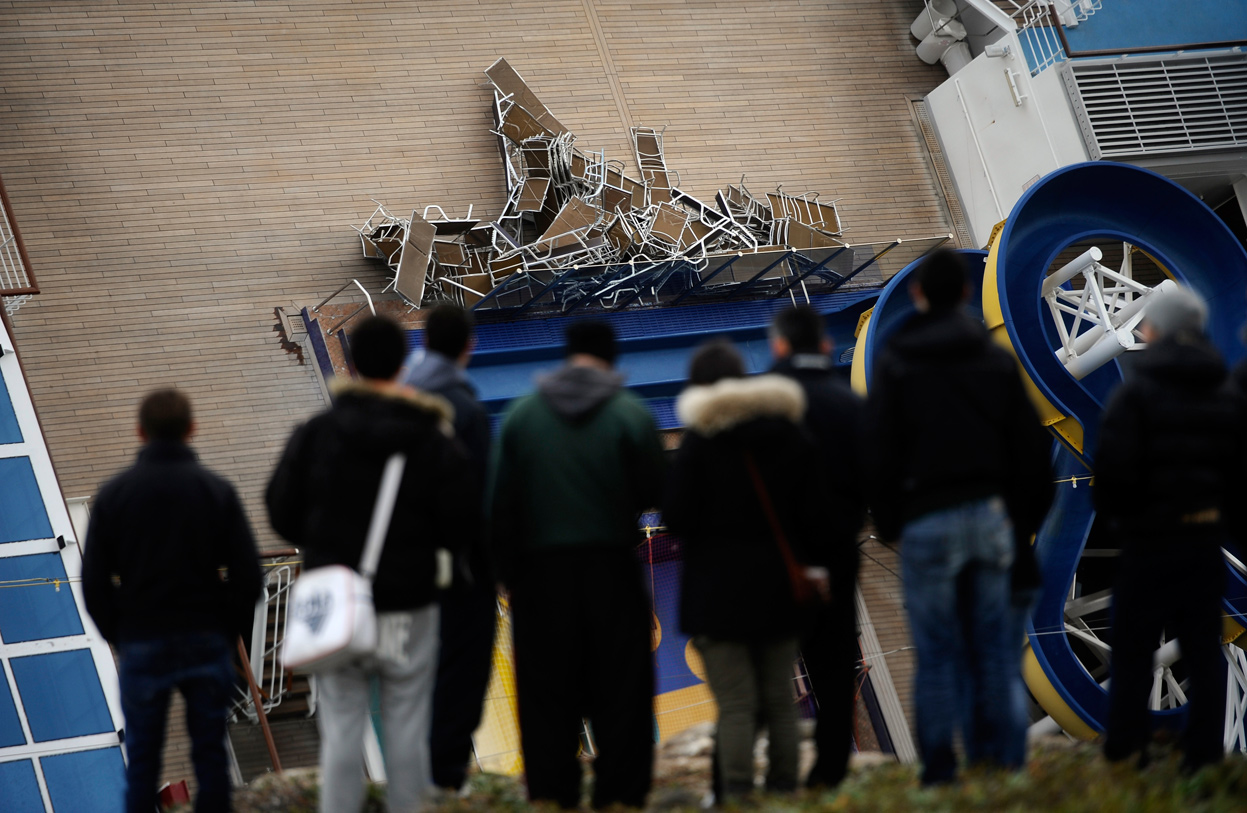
(17, 281)
(267, 682)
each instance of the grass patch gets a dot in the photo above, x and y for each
(1064, 778)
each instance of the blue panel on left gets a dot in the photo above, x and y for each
(36, 610)
(10, 726)
(61, 694)
(22, 515)
(86, 781)
(10, 432)
(19, 789)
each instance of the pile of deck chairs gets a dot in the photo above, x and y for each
(576, 228)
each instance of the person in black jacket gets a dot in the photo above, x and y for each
(160, 533)
(959, 470)
(829, 645)
(744, 466)
(321, 499)
(1168, 480)
(470, 606)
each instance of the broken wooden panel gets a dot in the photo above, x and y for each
(509, 83)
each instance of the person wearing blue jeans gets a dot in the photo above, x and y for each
(955, 565)
(199, 665)
(162, 534)
(959, 471)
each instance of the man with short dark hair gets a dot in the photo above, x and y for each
(321, 498)
(160, 534)
(956, 507)
(470, 606)
(829, 645)
(577, 462)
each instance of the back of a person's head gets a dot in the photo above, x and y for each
(378, 347)
(942, 279)
(591, 338)
(1176, 312)
(448, 330)
(714, 361)
(165, 415)
(801, 326)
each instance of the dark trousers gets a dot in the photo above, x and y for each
(1176, 587)
(469, 614)
(831, 654)
(198, 664)
(581, 620)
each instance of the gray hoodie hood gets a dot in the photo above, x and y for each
(574, 392)
(434, 372)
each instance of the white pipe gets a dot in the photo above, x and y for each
(1108, 347)
(1071, 269)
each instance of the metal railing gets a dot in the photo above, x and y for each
(1038, 26)
(368, 304)
(17, 281)
(268, 680)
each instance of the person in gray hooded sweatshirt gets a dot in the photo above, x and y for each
(576, 463)
(470, 606)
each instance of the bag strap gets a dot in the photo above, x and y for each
(795, 571)
(387, 495)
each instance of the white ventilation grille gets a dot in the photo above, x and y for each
(1129, 106)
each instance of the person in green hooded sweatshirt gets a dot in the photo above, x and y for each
(576, 463)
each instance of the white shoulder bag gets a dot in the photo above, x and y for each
(332, 619)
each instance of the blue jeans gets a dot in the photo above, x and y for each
(199, 665)
(955, 566)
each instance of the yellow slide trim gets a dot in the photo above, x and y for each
(857, 372)
(1047, 697)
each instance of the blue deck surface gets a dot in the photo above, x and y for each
(655, 345)
(1159, 23)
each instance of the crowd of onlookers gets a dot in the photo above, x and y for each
(768, 493)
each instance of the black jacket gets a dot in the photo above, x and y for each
(735, 583)
(165, 527)
(1173, 446)
(948, 421)
(834, 415)
(432, 372)
(322, 494)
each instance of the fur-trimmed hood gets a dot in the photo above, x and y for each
(425, 401)
(729, 402)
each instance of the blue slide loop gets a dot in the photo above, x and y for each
(1113, 203)
(1109, 202)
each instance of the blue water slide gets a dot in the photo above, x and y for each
(1102, 201)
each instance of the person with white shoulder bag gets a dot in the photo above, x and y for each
(371, 491)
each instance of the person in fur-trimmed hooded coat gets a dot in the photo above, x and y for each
(737, 599)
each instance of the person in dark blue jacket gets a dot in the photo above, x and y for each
(470, 606)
